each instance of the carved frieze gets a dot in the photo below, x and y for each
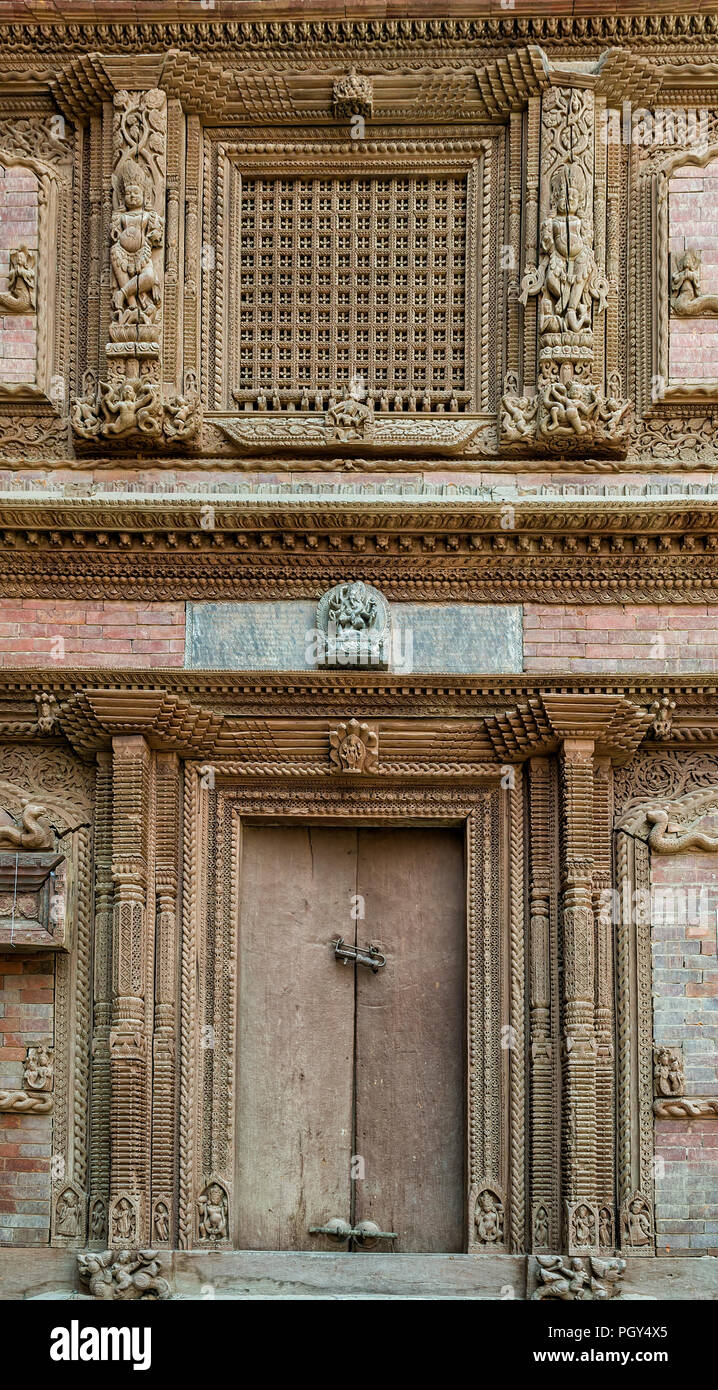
(123, 1275)
(577, 1280)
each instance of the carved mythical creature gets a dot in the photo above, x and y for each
(686, 298)
(135, 230)
(34, 833)
(124, 1275)
(19, 297)
(131, 405)
(676, 840)
(578, 1281)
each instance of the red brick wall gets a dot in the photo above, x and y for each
(39, 632)
(686, 1187)
(18, 227)
(617, 638)
(26, 1009)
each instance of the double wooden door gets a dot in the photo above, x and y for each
(351, 1086)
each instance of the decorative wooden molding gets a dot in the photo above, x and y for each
(686, 1108)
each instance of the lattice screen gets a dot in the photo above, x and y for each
(353, 276)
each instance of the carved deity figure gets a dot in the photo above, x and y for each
(161, 1223)
(67, 1213)
(605, 1228)
(567, 279)
(541, 1227)
(686, 298)
(123, 1220)
(349, 418)
(19, 297)
(37, 1074)
(353, 608)
(667, 1072)
(584, 1226)
(559, 1279)
(213, 1214)
(124, 1275)
(98, 1225)
(489, 1218)
(135, 229)
(637, 1223)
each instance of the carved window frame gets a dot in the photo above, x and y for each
(493, 821)
(53, 203)
(476, 154)
(674, 392)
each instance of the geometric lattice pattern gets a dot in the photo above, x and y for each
(352, 276)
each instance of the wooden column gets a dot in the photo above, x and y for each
(99, 1183)
(578, 1027)
(164, 1123)
(605, 1014)
(130, 1069)
(543, 1010)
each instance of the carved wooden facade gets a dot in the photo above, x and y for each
(352, 249)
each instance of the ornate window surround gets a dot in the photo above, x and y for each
(53, 198)
(674, 391)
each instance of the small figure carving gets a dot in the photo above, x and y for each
(565, 412)
(668, 1072)
(350, 418)
(124, 1221)
(161, 1223)
(686, 298)
(37, 1072)
(353, 95)
(353, 747)
(19, 297)
(213, 1213)
(130, 404)
(489, 1217)
(583, 1227)
(567, 278)
(182, 414)
(662, 711)
(47, 712)
(519, 417)
(605, 1228)
(98, 1222)
(35, 831)
(578, 1280)
(353, 625)
(541, 1227)
(67, 1213)
(123, 1275)
(637, 1224)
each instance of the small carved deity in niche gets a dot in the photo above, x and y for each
(584, 1226)
(124, 1224)
(47, 712)
(98, 1225)
(161, 1223)
(213, 1213)
(668, 1075)
(541, 1227)
(67, 1213)
(686, 298)
(353, 608)
(637, 1223)
(37, 1075)
(489, 1218)
(135, 230)
(605, 1228)
(353, 747)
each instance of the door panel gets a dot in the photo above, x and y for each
(335, 1060)
(410, 1038)
(296, 1036)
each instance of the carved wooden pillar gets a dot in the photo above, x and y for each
(578, 1028)
(604, 1016)
(130, 1063)
(165, 1020)
(543, 1008)
(99, 1185)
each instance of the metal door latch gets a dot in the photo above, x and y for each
(363, 955)
(366, 1233)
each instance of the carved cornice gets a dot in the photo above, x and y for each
(595, 551)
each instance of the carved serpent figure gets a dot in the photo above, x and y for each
(34, 833)
(677, 841)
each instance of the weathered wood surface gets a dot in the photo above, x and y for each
(296, 1036)
(410, 1032)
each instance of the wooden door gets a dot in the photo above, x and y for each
(337, 1063)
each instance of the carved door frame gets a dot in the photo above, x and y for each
(493, 819)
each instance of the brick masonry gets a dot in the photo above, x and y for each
(619, 638)
(684, 914)
(693, 205)
(39, 632)
(18, 227)
(26, 1009)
